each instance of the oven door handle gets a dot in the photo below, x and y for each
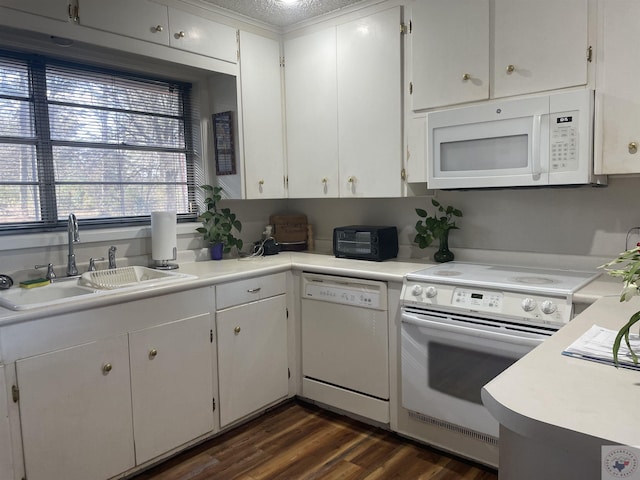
(459, 329)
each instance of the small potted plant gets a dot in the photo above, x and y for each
(218, 224)
(628, 263)
(437, 227)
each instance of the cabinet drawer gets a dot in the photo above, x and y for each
(249, 290)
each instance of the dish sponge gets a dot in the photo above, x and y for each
(38, 282)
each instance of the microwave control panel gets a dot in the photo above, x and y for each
(564, 141)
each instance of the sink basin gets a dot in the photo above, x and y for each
(101, 282)
(128, 277)
(17, 298)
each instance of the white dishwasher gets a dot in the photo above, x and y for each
(345, 344)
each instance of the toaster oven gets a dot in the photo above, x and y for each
(364, 242)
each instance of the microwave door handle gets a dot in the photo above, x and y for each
(536, 168)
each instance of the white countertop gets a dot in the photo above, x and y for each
(214, 272)
(553, 398)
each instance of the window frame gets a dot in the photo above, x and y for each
(51, 220)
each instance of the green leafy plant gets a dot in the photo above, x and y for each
(218, 224)
(629, 261)
(432, 227)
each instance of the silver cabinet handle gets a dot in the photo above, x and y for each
(158, 28)
(236, 330)
(254, 290)
(152, 353)
(633, 147)
(106, 368)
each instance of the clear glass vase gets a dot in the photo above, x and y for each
(443, 254)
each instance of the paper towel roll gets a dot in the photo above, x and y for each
(163, 235)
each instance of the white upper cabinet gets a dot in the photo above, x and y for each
(312, 115)
(199, 35)
(262, 123)
(450, 52)
(344, 109)
(56, 9)
(539, 45)
(618, 95)
(370, 105)
(146, 20)
(139, 19)
(456, 56)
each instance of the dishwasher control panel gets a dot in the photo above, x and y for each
(346, 291)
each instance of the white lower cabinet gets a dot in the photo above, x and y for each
(6, 457)
(171, 385)
(252, 354)
(75, 410)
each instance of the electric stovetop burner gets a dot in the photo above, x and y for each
(505, 277)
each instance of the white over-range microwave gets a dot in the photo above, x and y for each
(534, 141)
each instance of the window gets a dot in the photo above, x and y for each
(109, 146)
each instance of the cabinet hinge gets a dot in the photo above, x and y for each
(410, 88)
(288, 373)
(74, 12)
(590, 54)
(282, 61)
(287, 311)
(403, 174)
(404, 28)
(15, 393)
(214, 404)
(238, 45)
(211, 335)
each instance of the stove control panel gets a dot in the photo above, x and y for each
(538, 308)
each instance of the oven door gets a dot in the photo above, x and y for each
(448, 358)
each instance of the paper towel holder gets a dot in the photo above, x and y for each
(164, 264)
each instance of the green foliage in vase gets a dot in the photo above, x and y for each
(434, 226)
(218, 224)
(628, 268)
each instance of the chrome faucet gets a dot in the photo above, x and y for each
(112, 257)
(74, 237)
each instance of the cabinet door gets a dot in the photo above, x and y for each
(618, 93)
(262, 123)
(252, 357)
(199, 35)
(6, 454)
(539, 45)
(370, 106)
(449, 52)
(171, 385)
(75, 411)
(57, 9)
(139, 19)
(312, 115)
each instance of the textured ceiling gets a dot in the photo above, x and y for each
(281, 13)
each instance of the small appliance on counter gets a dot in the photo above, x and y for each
(290, 231)
(365, 242)
(163, 240)
(267, 245)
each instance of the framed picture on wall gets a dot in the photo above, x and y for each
(223, 143)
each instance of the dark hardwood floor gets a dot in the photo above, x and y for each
(298, 441)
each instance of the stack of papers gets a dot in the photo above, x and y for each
(596, 344)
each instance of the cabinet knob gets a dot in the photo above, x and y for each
(106, 368)
(158, 28)
(325, 180)
(152, 353)
(180, 35)
(236, 330)
(633, 147)
(261, 182)
(351, 179)
(511, 69)
(466, 77)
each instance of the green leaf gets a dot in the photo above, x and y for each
(421, 213)
(435, 203)
(624, 333)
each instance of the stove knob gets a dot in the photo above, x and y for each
(528, 304)
(431, 292)
(416, 291)
(548, 307)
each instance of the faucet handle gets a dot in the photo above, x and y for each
(92, 263)
(50, 273)
(112, 257)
